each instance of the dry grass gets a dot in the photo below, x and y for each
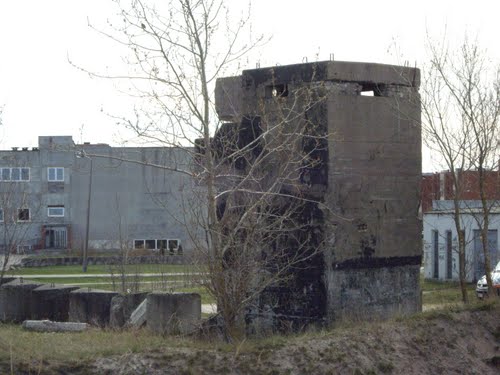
(27, 349)
(406, 345)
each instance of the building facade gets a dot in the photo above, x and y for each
(441, 240)
(439, 232)
(127, 195)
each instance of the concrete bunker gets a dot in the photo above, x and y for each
(364, 146)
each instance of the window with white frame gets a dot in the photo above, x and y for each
(55, 174)
(23, 214)
(171, 245)
(55, 211)
(15, 174)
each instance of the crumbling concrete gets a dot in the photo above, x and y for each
(173, 313)
(15, 300)
(90, 306)
(122, 307)
(365, 181)
(51, 302)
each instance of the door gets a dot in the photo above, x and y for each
(56, 238)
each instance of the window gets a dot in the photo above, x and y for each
(14, 174)
(172, 245)
(55, 211)
(25, 174)
(1, 215)
(138, 244)
(55, 174)
(150, 244)
(23, 214)
(5, 174)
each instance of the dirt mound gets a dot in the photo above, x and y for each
(460, 341)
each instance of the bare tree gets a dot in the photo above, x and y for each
(460, 106)
(252, 217)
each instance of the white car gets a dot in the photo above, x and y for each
(482, 286)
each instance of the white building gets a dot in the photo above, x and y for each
(441, 241)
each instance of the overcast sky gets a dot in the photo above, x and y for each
(43, 94)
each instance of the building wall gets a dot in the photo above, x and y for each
(129, 200)
(439, 186)
(442, 222)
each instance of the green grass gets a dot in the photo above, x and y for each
(100, 269)
(444, 292)
(27, 346)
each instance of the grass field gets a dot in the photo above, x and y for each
(444, 292)
(167, 277)
(100, 269)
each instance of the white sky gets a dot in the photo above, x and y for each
(44, 95)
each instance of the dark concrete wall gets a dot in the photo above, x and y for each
(51, 302)
(90, 306)
(15, 300)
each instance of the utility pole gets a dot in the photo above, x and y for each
(82, 154)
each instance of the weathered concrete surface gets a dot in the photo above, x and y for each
(49, 326)
(90, 306)
(15, 300)
(122, 307)
(173, 313)
(373, 293)
(51, 302)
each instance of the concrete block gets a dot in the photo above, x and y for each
(6, 280)
(51, 302)
(48, 326)
(173, 313)
(138, 316)
(122, 307)
(90, 306)
(373, 293)
(15, 300)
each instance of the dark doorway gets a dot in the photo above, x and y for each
(56, 238)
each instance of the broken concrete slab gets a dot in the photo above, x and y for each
(51, 301)
(91, 306)
(138, 316)
(173, 313)
(122, 307)
(15, 300)
(49, 326)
